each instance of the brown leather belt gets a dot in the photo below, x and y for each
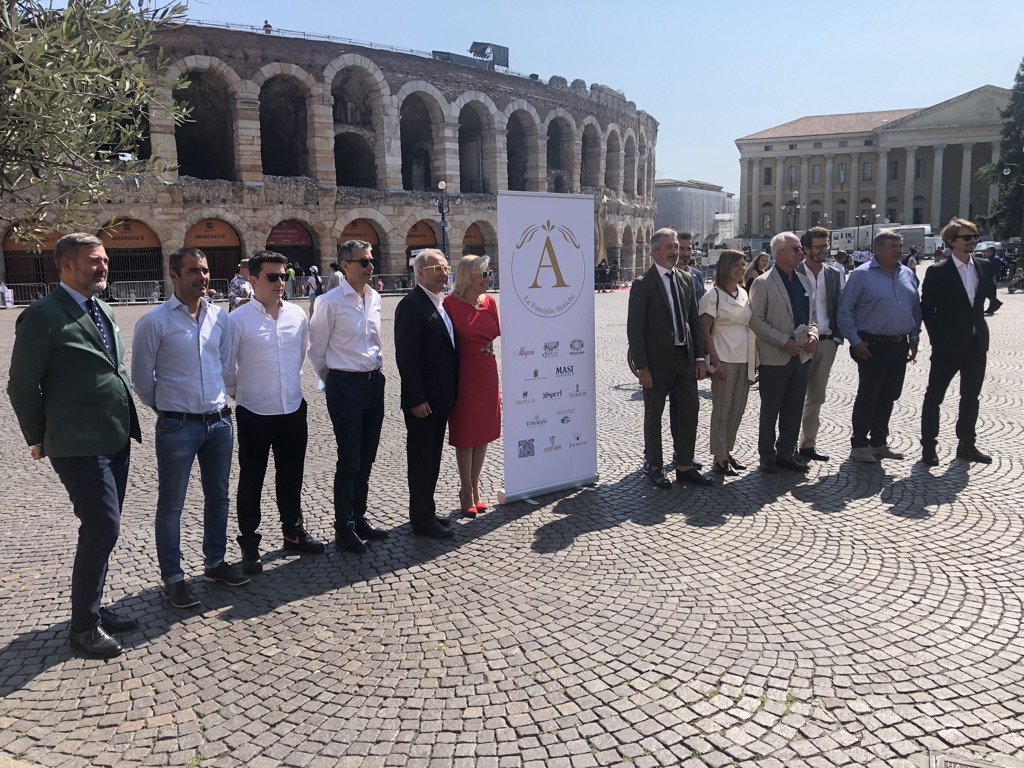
(876, 337)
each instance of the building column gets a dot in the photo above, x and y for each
(446, 158)
(854, 190)
(755, 197)
(881, 181)
(777, 220)
(965, 182)
(829, 171)
(744, 201)
(804, 206)
(993, 189)
(908, 185)
(936, 216)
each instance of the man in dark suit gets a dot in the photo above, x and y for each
(952, 307)
(666, 342)
(73, 400)
(428, 362)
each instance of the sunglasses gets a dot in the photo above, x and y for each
(443, 267)
(966, 238)
(275, 276)
(487, 274)
(364, 263)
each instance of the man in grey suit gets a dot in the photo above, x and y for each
(780, 302)
(667, 347)
(825, 283)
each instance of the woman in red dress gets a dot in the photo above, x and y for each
(476, 419)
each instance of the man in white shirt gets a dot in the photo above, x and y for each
(345, 350)
(825, 295)
(269, 339)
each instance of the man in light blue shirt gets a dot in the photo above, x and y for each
(180, 353)
(880, 313)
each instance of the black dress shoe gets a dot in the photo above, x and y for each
(929, 457)
(971, 453)
(443, 521)
(434, 532)
(95, 642)
(812, 453)
(658, 479)
(767, 464)
(366, 531)
(735, 464)
(791, 462)
(348, 541)
(693, 477)
(112, 622)
(252, 563)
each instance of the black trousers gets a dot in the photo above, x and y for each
(286, 435)
(881, 384)
(782, 389)
(96, 486)
(678, 379)
(971, 367)
(423, 450)
(356, 406)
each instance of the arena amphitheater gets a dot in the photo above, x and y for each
(298, 143)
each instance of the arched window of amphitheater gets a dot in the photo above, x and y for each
(629, 176)
(417, 138)
(283, 131)
(590, 158)
(613, 163)
(517, 144)
(205, 142)
(355, 162)
(471, 153)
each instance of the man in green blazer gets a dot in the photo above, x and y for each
(73, 401)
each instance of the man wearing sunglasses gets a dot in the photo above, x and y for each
(428, 361)
(269, 339)
(345, 350)
(952, 304)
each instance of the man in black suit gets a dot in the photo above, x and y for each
(71, 394)
(666, 342)
(952, 304)
(428, 362)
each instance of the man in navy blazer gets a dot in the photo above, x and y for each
(71, 394)
(952, 307)
(428, 362)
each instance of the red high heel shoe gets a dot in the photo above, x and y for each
(469, 511)
(481, 507)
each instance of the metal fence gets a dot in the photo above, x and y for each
(131, 291)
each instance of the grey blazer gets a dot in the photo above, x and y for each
(832, 291)
(771, 317)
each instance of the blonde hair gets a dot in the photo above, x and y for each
(465, 269)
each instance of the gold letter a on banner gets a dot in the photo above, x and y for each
(549, 251)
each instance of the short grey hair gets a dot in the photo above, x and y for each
(663, 232)
(886, 234)
(67, 247)
(350, 247)
(776, 244)
(420, 262)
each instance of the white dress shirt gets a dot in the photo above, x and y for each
(437, 298)
(344, 332)
(820, 299)
(969, 276)
(666, 276)
(264, 373)
(178, 362)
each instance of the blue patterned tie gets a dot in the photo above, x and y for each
(94, 313)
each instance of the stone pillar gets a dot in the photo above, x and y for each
(537, 162)
(446, 157)
(965, 181)
(854, 190)
(320, 136)
(805, 202)
(830, 161)
(993, 189)
(744, 200)
(908, 186)
(393, 257)
(495, 154)
(755, 197)
(778, 220)
(936, 215)
(388, 149)
(248, 162)
(161, 134)
(881, 183)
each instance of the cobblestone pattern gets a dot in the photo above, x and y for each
(861, 616)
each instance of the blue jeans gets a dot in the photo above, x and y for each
(178, 443)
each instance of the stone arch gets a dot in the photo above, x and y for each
(591, 153)
(293, 71)
(562, 161)
(200, 63)
(475, 115)
(386, 231)
(360, 105)
(641, 163)
(629, 165)
(205, 144)
(422, 124)
(245, 233)
(356, 61)
(613, 160)
(285, 122)
(319, 231)
(523, 147)
(627, 253)
(133, 262)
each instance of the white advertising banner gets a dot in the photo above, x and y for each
(549, 407)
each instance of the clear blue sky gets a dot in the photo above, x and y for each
(709, 72)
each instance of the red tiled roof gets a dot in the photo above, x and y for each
(823, 125)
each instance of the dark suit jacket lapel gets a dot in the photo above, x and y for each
(79, 315)
(433, 315)
(954, 276)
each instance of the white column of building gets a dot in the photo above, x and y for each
(908, 185)
(936, 216)
(854, 177)
(829, 169)
(805, 202)
(993, 189)
(881, 181)
(744, 200)
(778, 219)
(965, 181)
(755, 197)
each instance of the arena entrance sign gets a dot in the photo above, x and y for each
(291, 239)
(219, 241)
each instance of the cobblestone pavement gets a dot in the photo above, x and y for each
(863, 615)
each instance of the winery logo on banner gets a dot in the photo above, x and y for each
(548, 269)
(526, 449)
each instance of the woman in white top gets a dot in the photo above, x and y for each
(724, 313)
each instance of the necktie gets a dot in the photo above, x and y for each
(676, 298)
(94, 313)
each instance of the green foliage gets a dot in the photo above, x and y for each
(75, 89)
(1005, 217)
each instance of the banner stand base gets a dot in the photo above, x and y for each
(531, 493)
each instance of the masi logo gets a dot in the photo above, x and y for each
(536, 421)
(523, 352)
(579, 392)
(550, 349)
(552, 395)
(576, 347)
(526, 448)
(552, 447)
(563, 370)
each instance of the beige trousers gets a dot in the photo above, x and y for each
(817, 381)
(728, 402)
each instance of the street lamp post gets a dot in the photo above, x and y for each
(874, 218)
(1020, 180)
(443, 201)
(794, 207)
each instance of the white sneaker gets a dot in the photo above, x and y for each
(885, 452)
(863, 453)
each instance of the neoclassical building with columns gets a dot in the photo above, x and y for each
(910, 166)
(298, 143)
